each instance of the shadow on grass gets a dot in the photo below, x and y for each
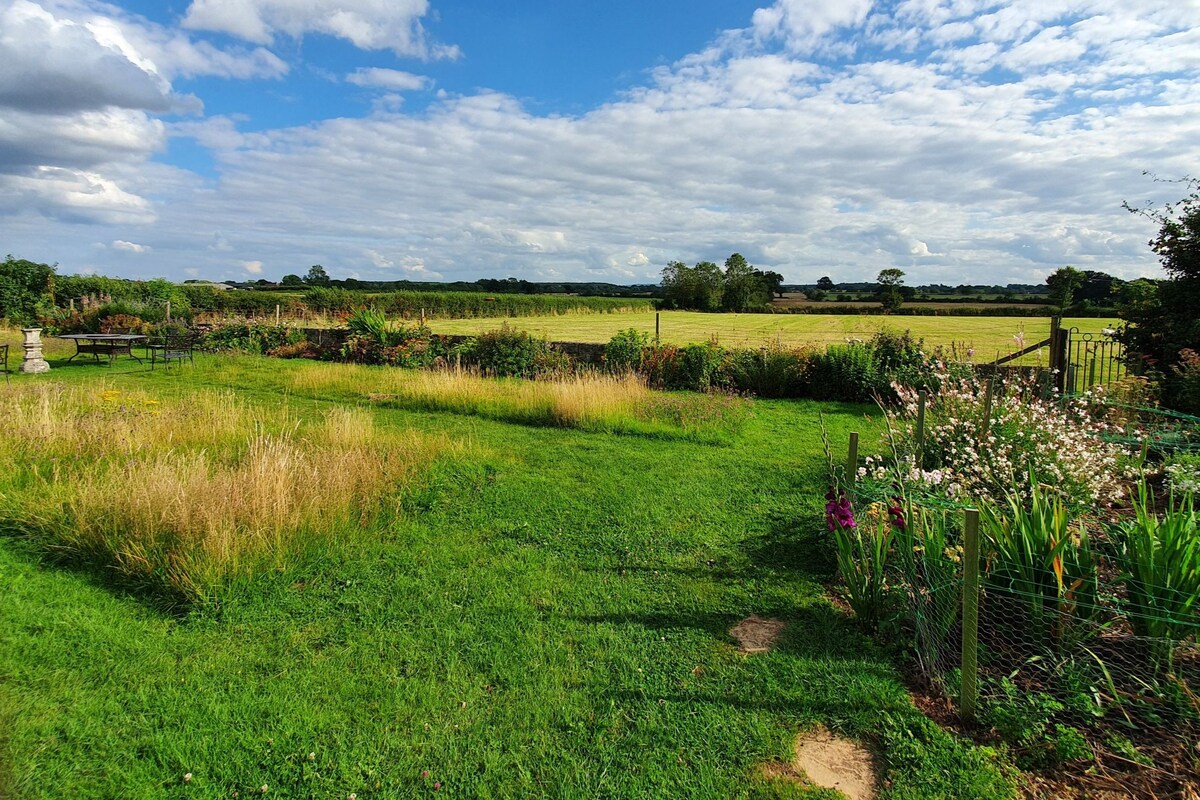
(97, 569)
(713, 437)
(815, 631)
(793, 544)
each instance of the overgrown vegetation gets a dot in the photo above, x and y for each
(178, 493)
(1164, 335)
(544, 613)
(1088, 617)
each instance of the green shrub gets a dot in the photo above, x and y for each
(513, 353)
(698, 367)
(862, 557)
(1025, 720)
(624, 351)
(257, 339)
(374, 340)
(332, 299)
(26, 290)
(1042, 563)
(770, 371)
(848, 372)
(1159, 559)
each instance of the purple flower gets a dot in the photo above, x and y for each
(838, 511)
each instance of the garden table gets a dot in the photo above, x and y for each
(107, 344)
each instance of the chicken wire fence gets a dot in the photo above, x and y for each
(1069, 660)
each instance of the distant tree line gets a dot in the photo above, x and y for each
(317, 276)
(706, 287)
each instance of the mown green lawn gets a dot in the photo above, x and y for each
(547, 617)
(989, 337)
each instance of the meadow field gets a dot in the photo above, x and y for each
(256, 577)
(989, 337)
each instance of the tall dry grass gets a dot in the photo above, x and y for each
(588, 401)
(180, 492)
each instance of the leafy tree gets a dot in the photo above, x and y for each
(773, 282)
(1163, 319)
(744, 285)
(711, 286)
(889, 293)
(26, 289)
(292, 280)
(826, 284)
(699, 287)
(1098, 287)
(317, 276)
(1063, 282)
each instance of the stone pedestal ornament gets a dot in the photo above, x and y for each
(34, 362)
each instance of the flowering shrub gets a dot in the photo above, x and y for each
(862, 557)
(304, 349)
(374, 340)
(123, 323)
(965, 456)
(1183, 473)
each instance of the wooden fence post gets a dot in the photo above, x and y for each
(1060, 342)
(969, 694)
(987, 411)
(277, 315)
(852, 462)
(657, 315)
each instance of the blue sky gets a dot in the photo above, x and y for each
(962, 141)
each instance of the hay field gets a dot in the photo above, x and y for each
(988, 336)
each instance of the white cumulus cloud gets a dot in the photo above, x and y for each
(131, 247)
(369, 24)
(393, 79)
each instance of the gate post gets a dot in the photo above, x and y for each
(1060, 342)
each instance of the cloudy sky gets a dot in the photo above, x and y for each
(963, 141)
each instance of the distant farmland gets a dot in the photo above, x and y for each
(989, 337)
(850, 306)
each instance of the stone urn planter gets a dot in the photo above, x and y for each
(34, 362)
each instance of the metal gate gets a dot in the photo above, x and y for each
(1092, 359)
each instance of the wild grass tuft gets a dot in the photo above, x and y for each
(179, 493)
(587, 401)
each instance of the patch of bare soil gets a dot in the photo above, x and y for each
(837, 763)
(831, 762)
(757, 634)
